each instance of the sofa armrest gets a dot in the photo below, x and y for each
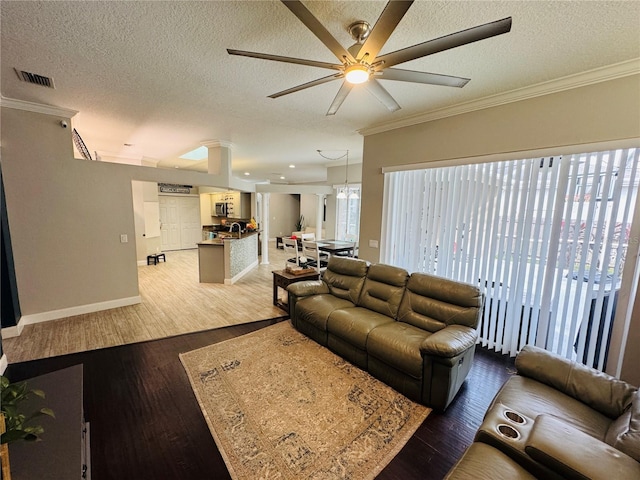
(307, 288)
(600, 391)
(449, 342)
(574, 454)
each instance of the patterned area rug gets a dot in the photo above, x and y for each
(280, 406)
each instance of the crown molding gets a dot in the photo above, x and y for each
(37, 107)
(598, 75)
(216, 143)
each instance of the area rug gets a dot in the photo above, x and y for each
(280, 406)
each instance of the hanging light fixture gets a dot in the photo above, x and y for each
(342, 194)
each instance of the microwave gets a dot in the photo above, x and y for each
(221, 210)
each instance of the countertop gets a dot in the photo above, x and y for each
(220, 241)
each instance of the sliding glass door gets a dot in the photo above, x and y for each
(545, 238)
(348, 213)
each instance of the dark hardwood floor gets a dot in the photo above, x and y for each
(146, 423)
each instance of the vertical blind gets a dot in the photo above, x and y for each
(544, 238)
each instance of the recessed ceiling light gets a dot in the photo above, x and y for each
(292, 166)
(281, 178)
(247, 173)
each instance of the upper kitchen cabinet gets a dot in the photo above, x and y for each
(237, 204)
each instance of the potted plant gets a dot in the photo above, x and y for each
(15, 425)
(300, 224)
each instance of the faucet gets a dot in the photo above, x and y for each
(239, 228)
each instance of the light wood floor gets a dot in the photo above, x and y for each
(173, 303)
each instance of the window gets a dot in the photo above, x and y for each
(348, 213)
(545, 239)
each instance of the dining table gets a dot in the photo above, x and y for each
(337, 247)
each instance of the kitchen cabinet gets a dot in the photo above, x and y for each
(238, 204)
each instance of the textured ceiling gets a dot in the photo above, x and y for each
(157, 75)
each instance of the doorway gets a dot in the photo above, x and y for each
(180, 227)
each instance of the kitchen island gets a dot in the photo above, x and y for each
(226, 260)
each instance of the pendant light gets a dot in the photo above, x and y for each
(342, 194)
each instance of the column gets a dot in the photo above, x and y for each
(219, 159)
(265, 228)
(319, 215)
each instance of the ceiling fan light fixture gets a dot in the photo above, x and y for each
(356, 74)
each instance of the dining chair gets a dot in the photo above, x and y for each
(290, 246)
(315, 257)
(310, 237)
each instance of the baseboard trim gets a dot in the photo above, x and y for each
(9, 332)
(4, 363)
(15, 331)
(231, 281)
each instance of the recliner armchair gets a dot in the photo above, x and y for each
(557, 419)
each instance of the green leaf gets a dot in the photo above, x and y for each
(39, 393)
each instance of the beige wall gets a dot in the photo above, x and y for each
(66, 216)
(65, 233)
(630, 371)
(284, 211)
(603, 112)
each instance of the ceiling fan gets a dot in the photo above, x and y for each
(360, 63)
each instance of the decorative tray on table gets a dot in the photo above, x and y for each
(297, 270)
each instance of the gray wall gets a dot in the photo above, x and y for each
(66, 216)
(284, 211)
(603, 112)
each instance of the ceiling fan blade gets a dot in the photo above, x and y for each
(382, 95)
(278, 58)
(421, 77)
(342, 94)
(384, 27)
(319, 81)
(313, 24)
(447, 42)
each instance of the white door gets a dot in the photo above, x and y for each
(169, 223)
(190, 228)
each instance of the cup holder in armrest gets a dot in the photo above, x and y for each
(514, 417)
(507, 431)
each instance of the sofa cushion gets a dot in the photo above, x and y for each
(624, 432)
(432, 303)
(354, 324)
(315, 310)
(345, 277)
(398, 345)
(531, 398)
(600, 391)
(587, 458)
(383, 289)
(483, 462)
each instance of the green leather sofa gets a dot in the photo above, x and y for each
(417, 332)
(557, 419)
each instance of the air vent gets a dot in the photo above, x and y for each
(35, 78)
